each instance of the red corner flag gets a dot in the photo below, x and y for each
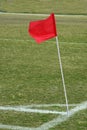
(43, 29)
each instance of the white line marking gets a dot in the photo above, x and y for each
(29, 108)
(3, 13)
(22, 40)
(9, 39)
(11, 127)
(52, 123)
(48, 105)
(61, 119)
(21, 109)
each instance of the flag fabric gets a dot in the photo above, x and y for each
(42, 30)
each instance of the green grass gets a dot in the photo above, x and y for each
(24, 119)
(45, 6)
(30, 74)
(77, 122)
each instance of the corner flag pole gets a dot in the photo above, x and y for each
(63, 81)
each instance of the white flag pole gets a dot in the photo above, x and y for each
(63, 81)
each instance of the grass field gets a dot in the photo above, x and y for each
(30, 73)
(45, 6)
